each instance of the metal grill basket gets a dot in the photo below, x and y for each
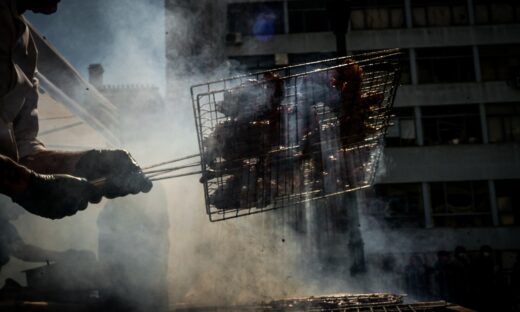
(282, 137)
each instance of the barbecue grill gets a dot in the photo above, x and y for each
(263, 149)
(377, 302)
(286, 136)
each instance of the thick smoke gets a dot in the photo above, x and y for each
(238, 261)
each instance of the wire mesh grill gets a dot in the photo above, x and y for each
(282, 137)
(377, 302)
(335, 302)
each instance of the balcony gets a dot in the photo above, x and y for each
(381, 39)
(451, 163)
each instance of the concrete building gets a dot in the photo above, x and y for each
(452, 158)
(139, 109)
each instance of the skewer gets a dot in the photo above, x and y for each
(98, 182)
(155, 175)
(165, 170)
(171, 161)
(177, 176)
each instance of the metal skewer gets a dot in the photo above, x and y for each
(177, 176)
(155, 175)
(171, 161)
(165, 170)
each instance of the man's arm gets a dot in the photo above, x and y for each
(49, 196)
(13, 177)
(53, 162)
(121, 173)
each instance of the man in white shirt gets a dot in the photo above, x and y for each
(51, 184)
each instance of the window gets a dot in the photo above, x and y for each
(308, 16)
(503, 122)
(261, 20)
(399, 205)
(460, 204)
(402, 132)
(497, 11)
(498, 61)
(454, 124)
(377, 15)
(508, 201)
(442, 65)
(437, 13)
(252, 63)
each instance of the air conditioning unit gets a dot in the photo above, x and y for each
(234, 38)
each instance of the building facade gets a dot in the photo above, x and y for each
(452, 157)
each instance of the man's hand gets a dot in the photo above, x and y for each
(56, 196)
(123, 175)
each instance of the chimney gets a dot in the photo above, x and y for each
(95, 75)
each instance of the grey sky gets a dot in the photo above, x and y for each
(126, 36)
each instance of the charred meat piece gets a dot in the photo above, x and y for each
(235, 140)
(227, 196)
(356, 106)
(238, 191)
(240, 101)
(274, 89)
(253, 99)
(354, 122)
(254, 127)
(252, 136)
(348, 77)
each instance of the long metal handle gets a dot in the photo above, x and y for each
(177, 176)
(171, 161)
(156, 173)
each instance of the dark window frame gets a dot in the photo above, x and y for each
(451, 4)
(445, 65)
(390, 7)
(508, 189)
(401, 114)
(488, 8)
(447, 218)
(497, 61)
(507, 118)
(446, 116)
(408, 198)
(304, 12)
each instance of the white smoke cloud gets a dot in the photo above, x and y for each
(248, 259)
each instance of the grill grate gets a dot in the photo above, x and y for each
(376, 302)
(289, 135)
